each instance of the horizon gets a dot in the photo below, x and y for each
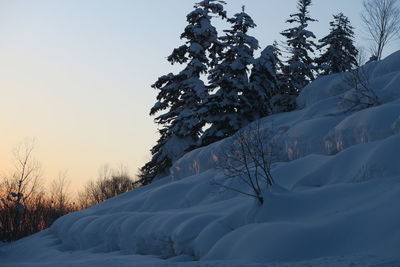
(77, 75)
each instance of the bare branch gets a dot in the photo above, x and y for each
(249, 160)
(361, 95)
(381, 20)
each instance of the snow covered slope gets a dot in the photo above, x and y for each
(336, 204)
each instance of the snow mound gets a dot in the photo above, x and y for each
(335, 202)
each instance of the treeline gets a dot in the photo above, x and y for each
(27, 207)
(221, 88)
(222, 85)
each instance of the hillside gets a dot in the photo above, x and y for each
(335, 202)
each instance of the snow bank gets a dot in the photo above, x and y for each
(321, 126)
(336, 202)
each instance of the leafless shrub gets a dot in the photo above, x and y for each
(361, 95)
(248, 160)
(110, 183)
(24, 207)
(36, 214)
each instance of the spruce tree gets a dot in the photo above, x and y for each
(340, 53)
(263, 85)
(180, 95)
(284, 99)
(225, 109)
(298, 70)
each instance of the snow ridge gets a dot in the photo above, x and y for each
(336, 202)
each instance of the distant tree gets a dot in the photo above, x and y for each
(361, 56)
(59, 192)
(225, 109)
(18, 189)
(26, 178)
(263, 84)
(381, 20)
(284, 98)
(110, 183)
(298, 70)
(25, 207)
(180, 95)
(340, 53)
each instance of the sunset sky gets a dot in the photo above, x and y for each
(76, 74)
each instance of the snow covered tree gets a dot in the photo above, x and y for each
(160, 161)
(340, 54)
(283, 97)
(299, 68)
(225, 109)
(180, 95)
(263, 85)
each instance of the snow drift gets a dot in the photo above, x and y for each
(335, 204)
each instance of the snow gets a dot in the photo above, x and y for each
(335, 203)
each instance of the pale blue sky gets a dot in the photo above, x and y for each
(76, 74)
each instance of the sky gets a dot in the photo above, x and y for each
(76, 75)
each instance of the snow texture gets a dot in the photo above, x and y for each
(335, 203)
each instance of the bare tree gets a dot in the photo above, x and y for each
(109, 183)
(361, 94)
(24, 206)
(249, 160)
(22, 185)
(381, 20)
(59, 191)
(25, 180)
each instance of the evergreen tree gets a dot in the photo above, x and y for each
(180, 95)
(298, 69)
(263, 85)
(225, 109)
(284, 99)
(340, 54)
(160, 161)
